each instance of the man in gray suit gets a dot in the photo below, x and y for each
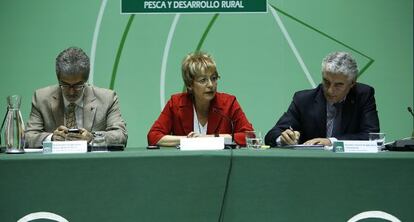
(73, 104)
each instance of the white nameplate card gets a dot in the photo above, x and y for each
(355, 146)
(65, 147)
(202, 143)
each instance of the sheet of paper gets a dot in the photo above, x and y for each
(32, 150)
(304, 147)
(202, 143)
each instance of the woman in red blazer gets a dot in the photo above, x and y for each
(201, 111)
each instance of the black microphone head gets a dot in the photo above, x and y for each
(410, 110)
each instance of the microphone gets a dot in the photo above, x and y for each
(410, 110)
(233, 144)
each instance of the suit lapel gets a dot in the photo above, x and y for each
(214, 118)
(347, 110)
(320, 112)
(186, 114)
(57, 107)
(89, 108)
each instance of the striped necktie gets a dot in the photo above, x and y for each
(333, 120)
(70, 116)
(330, 118)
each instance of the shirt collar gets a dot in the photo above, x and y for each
(78, 102)
(332, 104)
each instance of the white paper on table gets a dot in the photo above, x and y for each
(202, 143)
(33, 150)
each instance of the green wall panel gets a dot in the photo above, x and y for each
(253, 56)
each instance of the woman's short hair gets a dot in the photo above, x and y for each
(72, 60)
(340, 63)
(195, 64)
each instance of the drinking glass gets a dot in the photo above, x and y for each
(379, 138)
(99, 142)
(254, 139)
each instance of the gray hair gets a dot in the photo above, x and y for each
(72, 60)
(340, 63)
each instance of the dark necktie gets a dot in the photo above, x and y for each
(330, 118)
(333, 120)
(336, 131)
(70, 116)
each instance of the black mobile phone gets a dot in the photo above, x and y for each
(73, 130)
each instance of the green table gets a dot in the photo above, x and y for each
(299, 185)
(172, 185)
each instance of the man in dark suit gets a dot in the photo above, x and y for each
(338, 108)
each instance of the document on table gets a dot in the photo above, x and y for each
(304, 147)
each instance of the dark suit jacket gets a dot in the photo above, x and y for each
(100, 113)
(178, 116)
(307, 114)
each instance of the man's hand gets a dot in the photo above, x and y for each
(60, 133)
(315, 141)
(289, 137)
(82, 135)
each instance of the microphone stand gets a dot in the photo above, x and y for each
(410, 110)
(233, 145)
(406, 144)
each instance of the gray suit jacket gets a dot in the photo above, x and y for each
(100, 113)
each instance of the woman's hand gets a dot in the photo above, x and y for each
(193, 135)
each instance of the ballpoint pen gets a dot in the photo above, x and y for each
(296, 138)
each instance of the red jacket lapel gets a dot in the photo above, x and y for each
(186, 113)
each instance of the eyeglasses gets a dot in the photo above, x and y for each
(76, 87)
(205, 80)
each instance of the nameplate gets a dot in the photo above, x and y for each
(355, 146)
(202, 143)
(65, 147)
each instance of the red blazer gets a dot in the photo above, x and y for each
(178, 116)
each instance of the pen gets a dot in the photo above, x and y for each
(296, 138)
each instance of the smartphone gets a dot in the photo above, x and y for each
(73, 131)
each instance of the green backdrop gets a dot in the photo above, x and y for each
(252, 53)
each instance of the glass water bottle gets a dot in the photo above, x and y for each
(14, 126)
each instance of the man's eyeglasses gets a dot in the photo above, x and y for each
(205, 80)
(76, 87)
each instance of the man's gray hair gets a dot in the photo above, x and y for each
(340, 63)
(72, 60)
